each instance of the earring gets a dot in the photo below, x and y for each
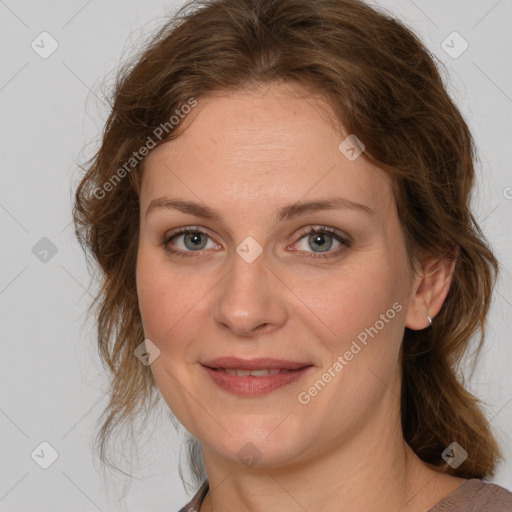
(429, 320)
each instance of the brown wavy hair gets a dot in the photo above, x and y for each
(384, 86)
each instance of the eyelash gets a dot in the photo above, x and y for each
(310, 231)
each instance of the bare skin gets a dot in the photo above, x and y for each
(246, 155)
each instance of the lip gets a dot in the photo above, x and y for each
(251, 385)
(260, 363)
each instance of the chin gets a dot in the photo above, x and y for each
(266, 446)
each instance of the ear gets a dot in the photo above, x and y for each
(430, 288)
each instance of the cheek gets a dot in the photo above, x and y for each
(352, 299)
(362, 320)
(172, 302)
(157, 292)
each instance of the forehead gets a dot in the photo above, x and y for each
(279, 144)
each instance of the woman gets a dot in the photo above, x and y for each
(280, 209)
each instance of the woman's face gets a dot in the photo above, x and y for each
(250, 282)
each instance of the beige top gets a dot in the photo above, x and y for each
(473, 495)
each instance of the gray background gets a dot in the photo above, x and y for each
(53, 386)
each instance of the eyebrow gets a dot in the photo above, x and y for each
(285, 213)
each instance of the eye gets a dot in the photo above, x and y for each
(322, 240)
(194, 240)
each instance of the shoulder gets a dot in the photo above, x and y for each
(476, 495)
(195, 503)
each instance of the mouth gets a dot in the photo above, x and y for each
(251, 378)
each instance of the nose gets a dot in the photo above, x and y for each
(250, 299)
